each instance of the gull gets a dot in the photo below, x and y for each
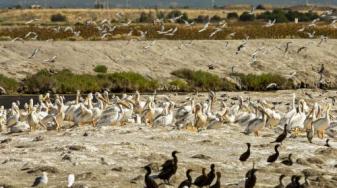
(31, 21)
(272, 86)
(105, 35)
(270, 23)
(51, 60)
(174, 19)
(188, 24)
(71, 180)
(105, 21)
(128, 23)
(18, 39)
(226, 44)
(77, 33)
(119, 15)
(35, 51)
(231, 35)
(254, 55)
(301, 30)
(333, 23)
(292, 75)
(326, 13)
(204, 28)
(172, 33)
(313, 23)
(142, 34)
(217, 30)
(149, 45)
(130, 33)
(112, 29)
(41, 180)
(57, 29)
(301, 48)
(158, 21)
(29, 34)
(162, 32)
(68, 28)
(311, 35)
(323, 39)
(252, 10)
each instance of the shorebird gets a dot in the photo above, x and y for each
(35, 51)
(51, 60)
(204, 28)
(41, 180)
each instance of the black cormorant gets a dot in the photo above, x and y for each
(246, 154)
(201, 180)
(188, 182)
(280, 185)
(272, 158)
(149, 182)
(288, 161)
(282, 136)
(169, 168)
(218, 182)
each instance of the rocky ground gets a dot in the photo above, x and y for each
(114, 156)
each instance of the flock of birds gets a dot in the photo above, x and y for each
(155, 111)
(106, 29)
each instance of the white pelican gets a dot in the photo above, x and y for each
(321, 124)
(166, 118)
(255, 125)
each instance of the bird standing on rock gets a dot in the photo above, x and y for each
(169, 168)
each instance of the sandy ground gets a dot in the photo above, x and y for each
(113, 156)
(162, 57)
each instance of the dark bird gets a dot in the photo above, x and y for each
(218, 182)
(288, 161)
(210, 175)
(201, 180)
(300, 49)
(240, 47)
(250, 178)
(280, 185)
(188, 182)
(327, 143)
(287, 47)
(272, 158)
(210, 67)
(294, 182)
(246, 154)
(310, 135)
(149, 182)
(169, 168)
(282, 136)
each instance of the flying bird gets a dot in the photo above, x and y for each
(51, 60)
(270, 23)
(35, 51)
(204, 28)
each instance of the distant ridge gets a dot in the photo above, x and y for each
(159, 3)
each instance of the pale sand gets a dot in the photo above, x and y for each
(159, 60)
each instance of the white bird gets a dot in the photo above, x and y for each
(149, 45)
(29, 34)
(142, 34)
(31, 21)
(68, 28)
(270, 23)
(105, 35)
(204, 28)
(188, 24)
(77, 33)
(127, 23)
(217, 30)
(35, 51)
(41, 180)
(301, 30)
(272, 86)
(51, 60)
(174, 19)
(71, 180)
(311, 35)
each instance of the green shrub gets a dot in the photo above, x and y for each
(253, 82)
(176, 13)
(247, 17)
(216, 18)
(232, 15)
(146, 17)
(202, 80)
(179, 85)
(58, 18)
(9, 84)
(277, 14)
(101, 69)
